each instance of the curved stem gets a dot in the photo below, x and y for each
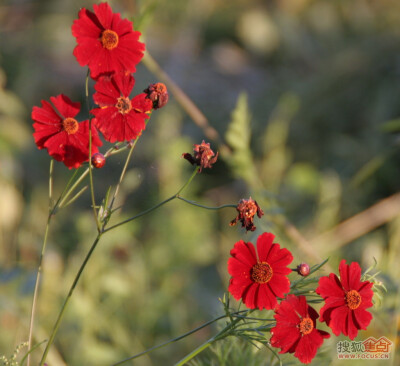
(202, 206)
(66, 301)
(170, 341)
(122, 174)
(195, 352)
(96, 218)
(155, 206)
(39, 271)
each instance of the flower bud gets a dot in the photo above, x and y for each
(303, 269)
(158, 94)
(98, 160)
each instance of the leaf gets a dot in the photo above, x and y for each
(238, 137)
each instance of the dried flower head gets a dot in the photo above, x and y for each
(158, 94)
(202, 156)
(247, 209)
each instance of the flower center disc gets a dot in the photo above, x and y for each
(261, 272)
(306, 326)
(353, 299)
(70, 125)
(109, 39)
(123, 105)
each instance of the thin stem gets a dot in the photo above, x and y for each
(66, 301)
(222, 334)
(202, 206)
(122, 174)
(96, 218)
(39, 271)
(170, 341)
(77, 182)
(155, 206)
(195, 352)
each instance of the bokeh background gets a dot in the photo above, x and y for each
(305, 98)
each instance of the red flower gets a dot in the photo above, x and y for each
(61, 134)
(295, 330)
(346, 300)
(119, 118)
(259, 278)
(247, 209)
(106, 43)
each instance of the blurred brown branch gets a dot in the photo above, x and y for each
(360, 224)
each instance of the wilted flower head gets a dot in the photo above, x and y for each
(247, 209)
(202, 156)
(158, 94)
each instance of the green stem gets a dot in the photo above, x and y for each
(155, 206)
(222, 334)
(122, 174)
(96, 218)
(39, 271)
(202, 206)
(66, 301)
(195, 352)
(171, 340)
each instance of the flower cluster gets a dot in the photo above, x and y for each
(259, 279)
(110, 48)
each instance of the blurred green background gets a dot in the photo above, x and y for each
(314, 139)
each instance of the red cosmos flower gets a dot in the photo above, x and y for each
(61, 134)
(259, 278)
(106, 43)
(346, 300)
(119, 118)
(295, 330)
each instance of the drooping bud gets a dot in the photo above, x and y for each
(303, 269)
(98, 160)
(247, 209)
(158, 94)
(202, 156)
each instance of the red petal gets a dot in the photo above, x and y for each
(124, 83)
(87, 26)
(362, 318)
(338, 321)
(65, 106)
(245, 253)
(266, 298)
(105, 15)
(279, 285)
(250, 295)
(237, 268)
(330, 287)
(264, 243)
(237, 286)
(308, 346)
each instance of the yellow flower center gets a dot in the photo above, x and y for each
(109, 39)
(123, 105)
(306, 326)
(261, 272)
(353, 299)
(70, 125)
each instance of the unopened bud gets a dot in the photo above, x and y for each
(303, 269)
(98, 160)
